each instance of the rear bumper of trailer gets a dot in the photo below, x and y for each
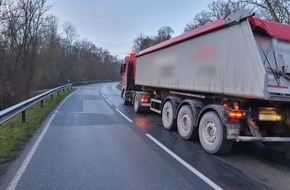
(262, 139)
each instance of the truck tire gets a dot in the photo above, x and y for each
(137, 107)
(185, 121)
(168, 120)
(212, 134)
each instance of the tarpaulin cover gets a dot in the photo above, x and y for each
(274, 29)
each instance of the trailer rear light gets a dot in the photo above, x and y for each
(236, 114)
(144, 100)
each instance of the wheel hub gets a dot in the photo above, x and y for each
(185, 122)
(210, 132)
(167, 115)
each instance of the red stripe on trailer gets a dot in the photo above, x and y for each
(273, 86)
(186, 36)
(274, 29)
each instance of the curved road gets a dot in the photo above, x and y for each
(93, 141)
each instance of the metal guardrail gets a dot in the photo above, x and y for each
(21, 107)
(85, 82)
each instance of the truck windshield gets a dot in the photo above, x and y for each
(122, 69)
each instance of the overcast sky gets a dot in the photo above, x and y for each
(114, 24)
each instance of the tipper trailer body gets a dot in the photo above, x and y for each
(226, 81)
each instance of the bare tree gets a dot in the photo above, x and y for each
(34, 55)
(200, 19)
(216, 10)
(2, 10)
(85, 51)
(70, 35)
(27, 21)
(142, 42)
(48, 54)
(164, 33)
(273, 10)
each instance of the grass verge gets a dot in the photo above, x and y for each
(14, 134)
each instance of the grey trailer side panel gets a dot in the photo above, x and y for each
(258, 68)
(221, 62)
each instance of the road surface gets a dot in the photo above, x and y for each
(93, 141)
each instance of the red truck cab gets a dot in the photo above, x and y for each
(128, 72)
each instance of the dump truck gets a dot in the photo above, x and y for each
(227, 81)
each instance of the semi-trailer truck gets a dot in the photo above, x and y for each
(224, 82)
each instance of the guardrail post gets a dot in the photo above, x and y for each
(57, 92)
(41, 103)
(63, 90)
(23, 116)
(51, 96)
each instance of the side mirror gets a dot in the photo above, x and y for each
(123, 68)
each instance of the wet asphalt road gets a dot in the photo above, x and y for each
(93, 141)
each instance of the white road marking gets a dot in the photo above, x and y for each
(124, 116)
(25, 163)
(192, 169)
(103, 95)
(109, 102)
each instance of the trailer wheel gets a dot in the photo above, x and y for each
(168, 120)
(212, 134)
(137, 107)
(185, 121)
